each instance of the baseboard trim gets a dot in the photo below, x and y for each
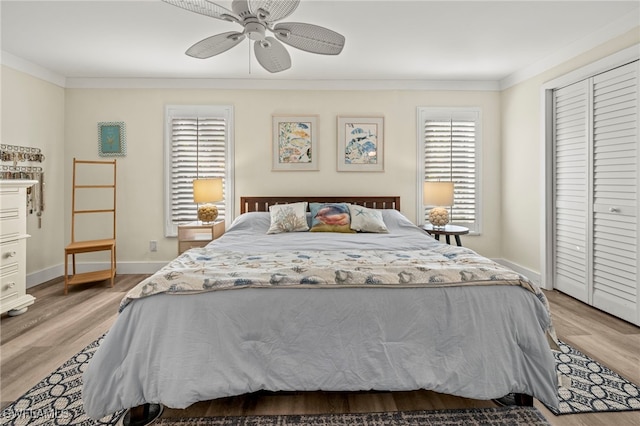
(532, 275)
(44, 275)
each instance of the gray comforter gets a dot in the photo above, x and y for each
(176, 349)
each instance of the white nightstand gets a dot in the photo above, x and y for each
(198, 234)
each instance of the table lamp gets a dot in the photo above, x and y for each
(438, 194)
(205, 192)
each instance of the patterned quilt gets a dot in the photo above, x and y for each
(210, 269)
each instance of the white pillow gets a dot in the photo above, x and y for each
(288, 218)
(364, 219)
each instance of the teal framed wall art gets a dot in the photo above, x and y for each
(112, 140)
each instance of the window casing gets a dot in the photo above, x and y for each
(449, 150)
(198, 144)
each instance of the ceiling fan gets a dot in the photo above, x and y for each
(257, 17)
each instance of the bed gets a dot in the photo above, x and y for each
(332, 311)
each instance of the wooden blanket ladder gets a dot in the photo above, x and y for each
(91, 193)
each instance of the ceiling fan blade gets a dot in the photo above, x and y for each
(215, 45)
(207, 8)
(272, 55)
(272, 10)
(310, 38)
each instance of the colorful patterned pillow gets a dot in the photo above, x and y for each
(288, 218)
(364, 219)
(330, 217)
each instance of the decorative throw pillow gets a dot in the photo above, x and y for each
(364, 219)
(330, 217)
(288, 218)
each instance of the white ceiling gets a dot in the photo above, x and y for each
(385, 40)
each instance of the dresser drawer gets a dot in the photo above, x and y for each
(11, 224)
(12, 274)
(186, 245)
(7, 192)
(10, 252)
(10, 282)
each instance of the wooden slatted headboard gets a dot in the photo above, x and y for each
(261, 204)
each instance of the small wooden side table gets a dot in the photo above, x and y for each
(198, 234)
(447, 231)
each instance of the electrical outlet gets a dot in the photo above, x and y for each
(153, 245)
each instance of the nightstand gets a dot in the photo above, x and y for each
(447, 231)
(198, 234)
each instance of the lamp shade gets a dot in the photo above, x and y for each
(438, 193)
(207, 190)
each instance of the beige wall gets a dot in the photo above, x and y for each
(140, 173)
(33, 115)
(62, 122)
(522, 152)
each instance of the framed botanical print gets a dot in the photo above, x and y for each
(360, 144)
(112, 140)
(295, 142)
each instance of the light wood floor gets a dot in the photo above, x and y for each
(57, 326)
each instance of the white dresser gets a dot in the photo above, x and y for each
(13, 246)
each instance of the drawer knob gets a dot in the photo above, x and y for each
(614, 209)
(11, 254)
(11, 285)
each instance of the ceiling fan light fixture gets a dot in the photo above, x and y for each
(254, 30)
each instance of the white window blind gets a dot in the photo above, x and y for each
(449, 151)
(198, 141)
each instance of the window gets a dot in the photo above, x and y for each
(449, 150)
(198, 144)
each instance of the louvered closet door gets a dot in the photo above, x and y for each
(615, 190)
(571, 186)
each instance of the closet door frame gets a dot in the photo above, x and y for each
(547, 146)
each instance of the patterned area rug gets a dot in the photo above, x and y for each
(593, 387)
(57, 400)
(480, 416)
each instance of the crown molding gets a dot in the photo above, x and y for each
(17, 63)
(265, 84)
